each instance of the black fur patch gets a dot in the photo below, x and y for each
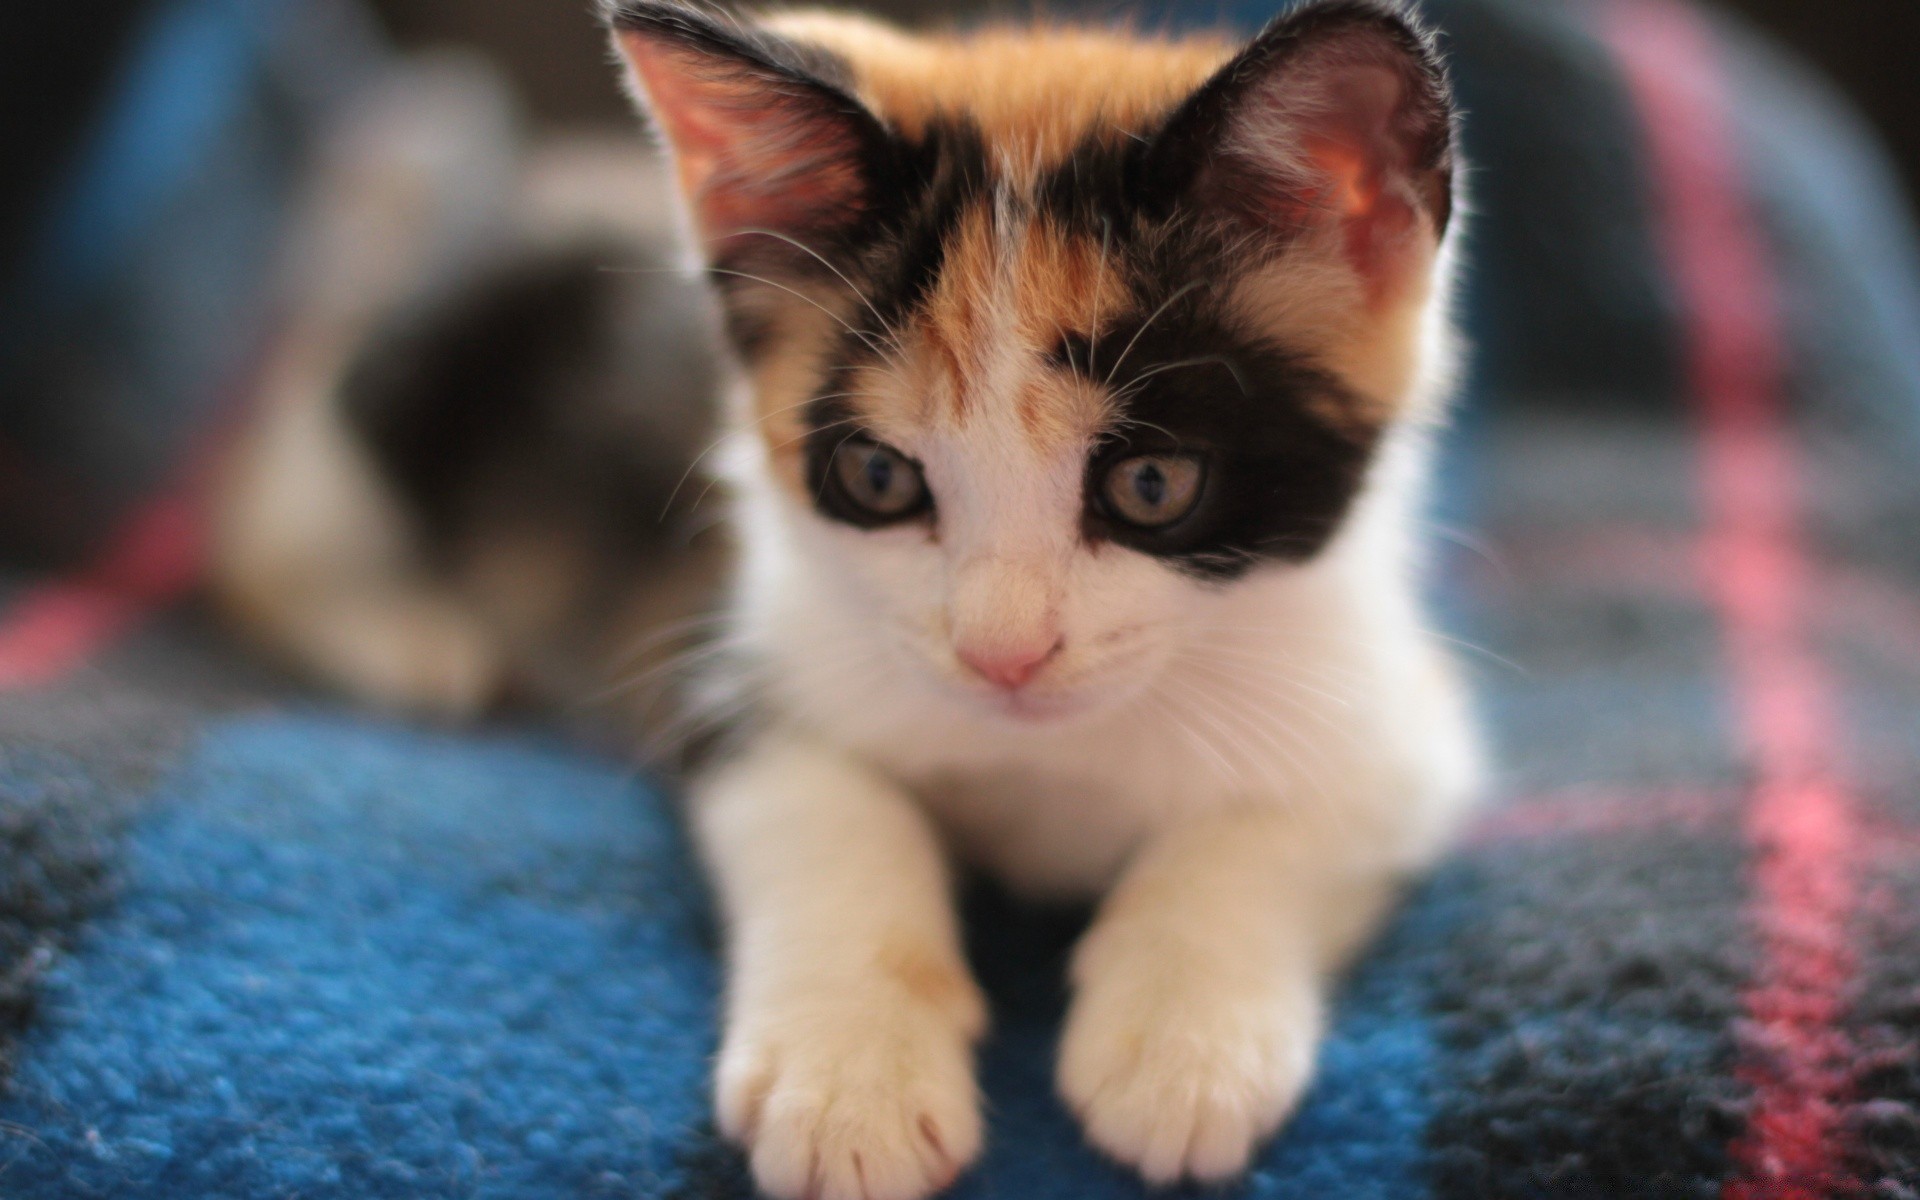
(1285, 446)
(566, 388)
(1098, 188)
(1280, 475)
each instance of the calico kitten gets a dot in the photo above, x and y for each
(1088, 388)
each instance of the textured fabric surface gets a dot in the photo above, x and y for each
(253, 945)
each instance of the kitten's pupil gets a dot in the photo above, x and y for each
(879, 474)
(1151, 486)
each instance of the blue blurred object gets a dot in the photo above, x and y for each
(142, 293)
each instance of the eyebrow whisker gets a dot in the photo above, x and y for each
(885, 327)
(1135, 339)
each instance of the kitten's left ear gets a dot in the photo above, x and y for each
(763, 140)
(1338, 112)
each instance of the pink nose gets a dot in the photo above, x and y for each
(1010, 668)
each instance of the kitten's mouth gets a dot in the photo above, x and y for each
(1043, 702)
(1032, 707)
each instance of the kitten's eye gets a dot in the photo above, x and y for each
(1153, 491)
(879, 479)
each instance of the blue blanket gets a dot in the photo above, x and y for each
(352, 960)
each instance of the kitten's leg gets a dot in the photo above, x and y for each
(846, 1067)
(1199, 992)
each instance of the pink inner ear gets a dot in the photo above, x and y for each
(695, 141)
(753, 151)
(1339, 146)
(1347, 135)
(1351, 185)
(1367, 174)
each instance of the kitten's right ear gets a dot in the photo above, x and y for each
(763, 142)
(1339, 113)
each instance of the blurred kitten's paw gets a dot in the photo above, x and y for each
(1183, 1073)
(836, 1098)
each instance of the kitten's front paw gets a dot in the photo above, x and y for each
(1182, 1073)
(841, 1099)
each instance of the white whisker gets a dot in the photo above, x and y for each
(885, 328)
(1135, 339)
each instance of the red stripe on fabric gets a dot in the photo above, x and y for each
(1802, 819)
(152, 561)
(1602, 811)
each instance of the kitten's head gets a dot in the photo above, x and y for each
(1054, 332)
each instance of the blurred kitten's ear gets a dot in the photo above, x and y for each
(762, 140)
(1337, 112)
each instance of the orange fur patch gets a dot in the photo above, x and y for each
(1016, 293)
(934, 981)
(1034, 92)
(956, 323)
(783, 383)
